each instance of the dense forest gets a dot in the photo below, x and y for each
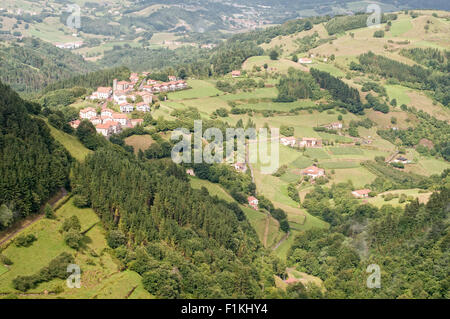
(33, 165)
(415, 76)
(31, 64)
(410, 245)
(339, 90)
(183, 242)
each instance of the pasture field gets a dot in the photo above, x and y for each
(339, 164)
(359, 176)
(139, 142)
(280, 65)
(199, 88)
(249, 96)
(70, 142)
(213, 189)
(415, 193)
(330, 68)
(3, 269)
(399, 93)
(345, 151)
(317, 153)
(99, 269)
(400, 27)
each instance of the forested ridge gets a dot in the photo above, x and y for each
(182, 241)
(32, 164)
(30, 64)
(410, 245)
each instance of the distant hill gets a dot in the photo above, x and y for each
(32, 64)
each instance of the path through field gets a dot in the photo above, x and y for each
(25, 223)
(266, 231)
(281, 241)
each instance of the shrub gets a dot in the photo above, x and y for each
(116, 238)
(25, 240)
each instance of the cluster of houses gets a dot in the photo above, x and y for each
(303, 142)
(107, 122)
(125, 95)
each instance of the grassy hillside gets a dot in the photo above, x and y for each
(100, 278)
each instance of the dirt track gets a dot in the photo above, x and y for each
(23, 224)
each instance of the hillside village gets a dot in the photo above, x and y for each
(363, 171)
(137, 94)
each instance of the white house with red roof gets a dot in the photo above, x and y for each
(236, 73)
(172, 78)
(142, 107)
(107, 112)
(134, 77)
(253, 202)
(313, 172)
(75, 123)
(88, 113)
(120, 118)
(181, 85)
(361, 193)
(105, 129)
(126, 108)
(310, 142)
(102, 93)
(96, 120)
(305, 61)
(119, 97)
(288, 141)
(123, 85)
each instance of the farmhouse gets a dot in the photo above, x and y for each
(253, 202)
(402, 160)
(88, 113)
(240, 167)
(361, 193)
(304, 61)
(172, 78)
(310, 142)
(334, 126)
(236, 73)
(313, 172)
(126, 108)
(75, 123)
(288, 141)
(190, 171)
(151, 82)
